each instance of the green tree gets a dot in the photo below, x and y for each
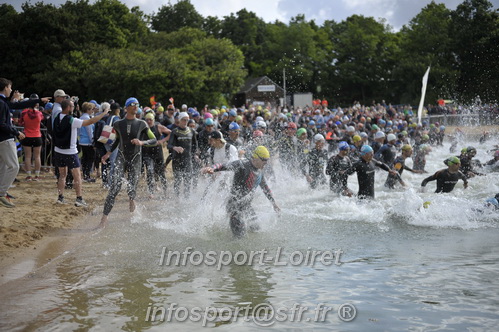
(364, 54)
(426, 41)
(475, 32)
(175, 17)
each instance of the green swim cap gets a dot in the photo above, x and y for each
(453, 160)
(301, 131)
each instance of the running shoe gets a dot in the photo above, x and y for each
(60, 200)
(29, 178)
(80, 202)
(5, 201)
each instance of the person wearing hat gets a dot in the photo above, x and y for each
(365, 169)
(315, 162)
(183, 147)
(447, 178)
(30, 119)
(152, 155)
(226, 123)
(131, 135)
(59, 96)
(168, 116)
(399, 165)
(248, 175)
(387, 153)
(287, 146)
(468, 165)
(204, 140)
(419, 158)
(337, 168)
(234, 139)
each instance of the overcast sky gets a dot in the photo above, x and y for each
(396, 12)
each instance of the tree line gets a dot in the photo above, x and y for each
(106, 50)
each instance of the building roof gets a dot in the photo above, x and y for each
(254, 82)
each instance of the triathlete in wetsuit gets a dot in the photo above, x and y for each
(316, 160)
(387, 153)
(365, 169)
(447, 178)
(337, 168)
(248, 176)
(182, 144)
(399, 165)
(152, 156)
(131, 135)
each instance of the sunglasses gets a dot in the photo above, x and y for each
(134, 104)
(264, 159)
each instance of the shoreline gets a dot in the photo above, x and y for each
(38, 230)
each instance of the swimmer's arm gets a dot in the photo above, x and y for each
(116, 141)
(268, 193)
(383, 166)
(221, 167)
(430, 178)
(463, 177)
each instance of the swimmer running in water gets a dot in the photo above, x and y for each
(248, 175)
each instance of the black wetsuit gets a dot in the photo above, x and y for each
(399, 165)
(182, 162)
(446, 181)
(129, 157)
(386, 154)
(337, 168)
(419, 160)
(287, 152)
(365, 176)
(316, 161)
(154, 162)
(246, 179)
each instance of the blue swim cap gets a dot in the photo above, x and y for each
(234, 126)
(365, 150)
(232, 113)
(311, 123)
(343, 146)
(208, 122)
(337, 123)
(493, 201)
(49, 106)
(131, 100)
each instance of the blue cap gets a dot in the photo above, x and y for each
(381, 121)
(191, 110)
(365, 149)
(232, 113)
(49, 106)
(131, 100)
(195, 114)
(208, 122)
(493, 201)
(234, 126)
(337, 123)
(139, 110)
(311, 123)
(94, 102)
(343, 146)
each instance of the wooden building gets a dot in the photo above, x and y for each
(259, 91)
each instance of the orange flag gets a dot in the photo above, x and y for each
(152, 100)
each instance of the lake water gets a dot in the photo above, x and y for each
(326, 263)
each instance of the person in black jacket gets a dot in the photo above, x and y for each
(9, 164)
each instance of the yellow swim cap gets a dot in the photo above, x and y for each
(356, 138)
(261, 152)
(150, 116)
(406, 147)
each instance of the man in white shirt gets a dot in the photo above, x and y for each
(65, 152)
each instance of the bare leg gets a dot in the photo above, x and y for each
(38, 160)
(63, 171)
(77, 181)
(132, 205)
(27, 158)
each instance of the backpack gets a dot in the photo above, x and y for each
(99, 125)
(227, 152)
(62, 131)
